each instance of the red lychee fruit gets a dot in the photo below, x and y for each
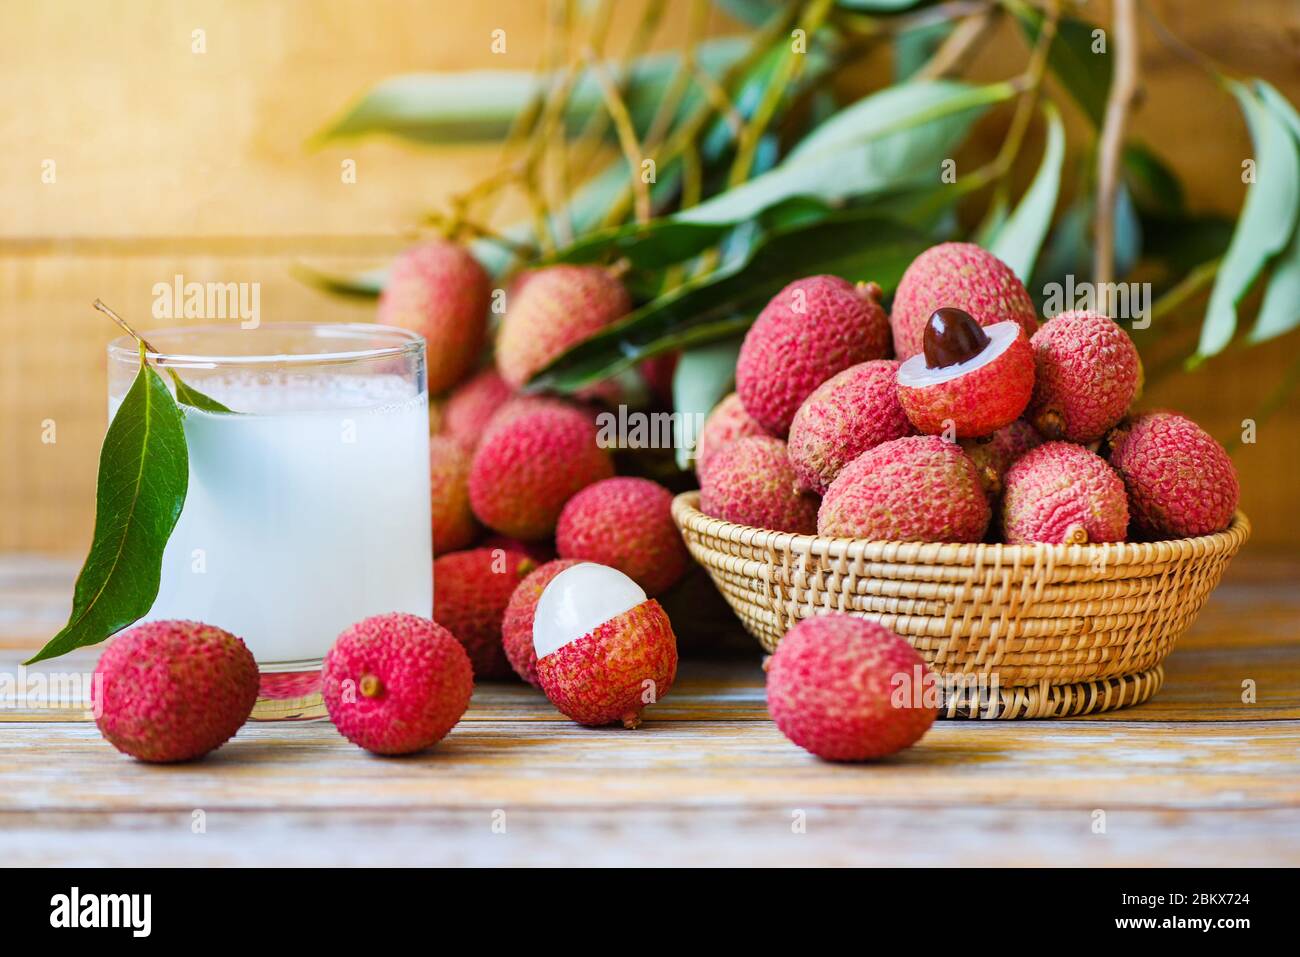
(555, 309)
(626, 523)
(971, 380)
(1180, 481)
(811, 329)
(657, 372)
(453, 521)
(440, 291)
(396, 683)
(915, 489)
(517, 625)
(848, 689)
(961, 276)
(996, 453)
(1087, 374)
(470, 592)
(534, 458)
(850, 412)
(1061, 493)
(168, 691)
(471, 406)
(604, 652)
(751, 482)
(727, 422)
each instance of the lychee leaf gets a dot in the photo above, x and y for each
(1280, 310)
(189, 396)
(1020, 238)
(1073, 58)
(143, 477)
(703, 376)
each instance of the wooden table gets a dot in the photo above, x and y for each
(1195, 776)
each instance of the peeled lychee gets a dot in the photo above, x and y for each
(626, 523)
(727, 422)
(970, 380)
(1061, 493)
(915, 489)
(530, 463)
(453, 521)
(848, 689)
(1087, 373)
(751, 482)
(1180, 481)
(440, 291)
(396, 683)
(173, 690)
(996, 453)
(604, 652)
(470, 592)
(517, 625)
(471, 406)
(850, 412)
(812, 329)
(961, 276)
(555, 309)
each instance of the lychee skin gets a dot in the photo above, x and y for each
(961, 276)
(168, 691)
(396, 683)
(751, 482)
(1180, 481)
(727, 422)
(453, 521)
(555, 309)
(832, 685)
(1061, 493)
(851, 412)
(517, 625)
(530, 463)
(625, 523)
(915, 489)
(811, 329)
(471, 406)
(440, 291)
(611, 674)
(976, 403)
(996, 453)
(1087, 373)
(470, 592)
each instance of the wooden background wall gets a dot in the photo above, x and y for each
(167, 162)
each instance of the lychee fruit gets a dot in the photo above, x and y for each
(751, 482)
(1063, 494)
(396, 683)
(604, 651)
(168, 691)
(810, 330)
(517, 625)
(532, 460)
(727, 422)
(440, 291)
(848, 689)
(657, 372)
(626, 523)
(470, 592)
(471, 406)
(970, 380)
(453, 521)
(850, 412)
(1087, 373)
(996, 453)
(541, 552)
(961, 276)
(1180, 481)
(915, 489)
(555, 309)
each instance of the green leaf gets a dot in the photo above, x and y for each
(1085, 74)
(1021, 236)
(143, 477)
(878, 6)
(703, 376)
(1280, 311)
(1267, 220)
(359, 285)
(856, 245)
(189, 396)
(914, 47)
(1153, 185)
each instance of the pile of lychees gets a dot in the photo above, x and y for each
(984, 426)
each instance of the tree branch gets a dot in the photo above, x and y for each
(1123, 90)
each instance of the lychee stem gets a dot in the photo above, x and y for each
(1050, 423)
(870, 290)
(631, 720)
(371, 686)
(1076, 535)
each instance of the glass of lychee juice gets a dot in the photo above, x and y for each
(308, 502)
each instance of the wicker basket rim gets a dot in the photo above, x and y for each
(686, 514)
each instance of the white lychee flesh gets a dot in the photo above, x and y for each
(914, 373)
(577, 601)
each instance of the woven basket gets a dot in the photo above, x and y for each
(1013, 631)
